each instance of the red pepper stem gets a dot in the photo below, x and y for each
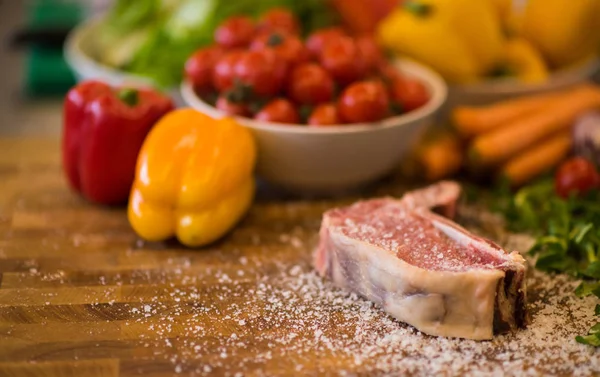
(129, 96)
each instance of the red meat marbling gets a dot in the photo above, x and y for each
(423, 268)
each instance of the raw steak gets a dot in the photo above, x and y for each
(423, 268)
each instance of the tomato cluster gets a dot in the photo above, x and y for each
(264, 70)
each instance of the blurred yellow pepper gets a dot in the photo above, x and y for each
(193, 178)
(508, 13)
(565, 31)
(525, 62)
(461, 39)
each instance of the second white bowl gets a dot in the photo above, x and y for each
(488, 92)
(80, 51)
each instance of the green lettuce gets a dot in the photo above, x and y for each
(153, 38)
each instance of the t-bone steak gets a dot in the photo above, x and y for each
(421, 267)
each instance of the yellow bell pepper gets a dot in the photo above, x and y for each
(565, 31)
(461, 39)
(507, 11)
(524, 61)
(193, 179)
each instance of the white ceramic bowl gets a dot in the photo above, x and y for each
(325, 160)
(492, 91)
(80, 51)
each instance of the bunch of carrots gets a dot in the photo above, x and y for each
(517, 139)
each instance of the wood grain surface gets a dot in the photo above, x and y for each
(81, 295)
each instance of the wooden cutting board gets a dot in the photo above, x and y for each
(81, 295)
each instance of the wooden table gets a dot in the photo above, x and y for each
(81, 295)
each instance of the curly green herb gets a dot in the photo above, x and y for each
(568, 236)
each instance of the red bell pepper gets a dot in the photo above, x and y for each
(104, 128)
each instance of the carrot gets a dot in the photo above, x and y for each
(498, 145)
(470, 121)
(441, 157)
(537, 160)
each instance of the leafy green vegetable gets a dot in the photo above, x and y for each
(568, 235)
(593, 337)
(587, 288)
(153, 38)
(591, 340)
(125, 17)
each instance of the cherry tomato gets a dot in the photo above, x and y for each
(263, 71)
(278, 111)
(224, 103)
(279, 19)
(288, 47)
(576, 175)
(341, 58)
(235, 32)
(224, 70)
(324, 115)
(317, 40)
(369, 51)
(199, 66)
(388, 72)
(363, 101)
(409, 93)
(310, 84)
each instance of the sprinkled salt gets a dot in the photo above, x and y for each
(296, 242)
(290, 310)
(296, 270)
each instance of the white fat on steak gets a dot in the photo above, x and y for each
(422, 268)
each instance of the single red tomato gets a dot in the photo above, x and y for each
(199, 67)
(341, 58)
(224, 70)
(577, 175)
(324, 115)
(310, 84)
(263, 71)
(279, 19)
(224, 103)
(370, 52)
(363, 101)
(235, 32)
(288, 47)
(388, 72)
(409, 93)
(278, 110)
(318, 39)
